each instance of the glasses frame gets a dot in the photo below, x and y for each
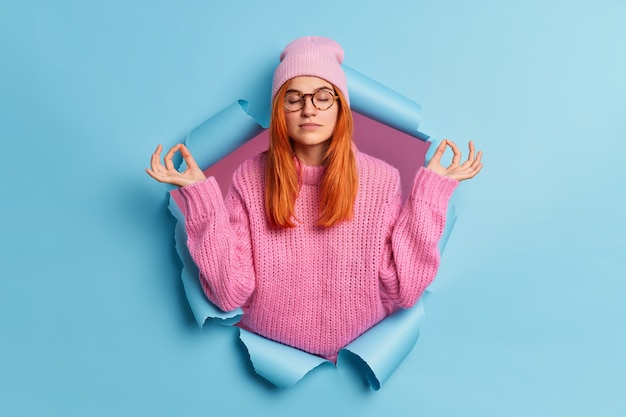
(304, 96)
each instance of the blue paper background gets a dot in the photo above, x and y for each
(527, 316)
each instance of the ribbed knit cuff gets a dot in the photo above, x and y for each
(202, 198)
(432, 187)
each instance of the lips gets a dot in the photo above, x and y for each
(309, 125)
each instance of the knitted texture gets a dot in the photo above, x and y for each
(312, 56)
(313, 288)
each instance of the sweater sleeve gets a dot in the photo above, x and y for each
(219, 243)
(411, 255)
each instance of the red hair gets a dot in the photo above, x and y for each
(339, 184)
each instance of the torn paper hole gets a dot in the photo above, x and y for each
(379, 351)
(386, 126)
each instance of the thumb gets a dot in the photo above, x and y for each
(436, 158)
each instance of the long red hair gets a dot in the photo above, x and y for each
(339, 184)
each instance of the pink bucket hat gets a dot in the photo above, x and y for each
(312, 56)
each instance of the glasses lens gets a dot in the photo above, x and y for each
(323, 99)
(294, 101)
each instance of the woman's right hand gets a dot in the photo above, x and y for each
(168, 173)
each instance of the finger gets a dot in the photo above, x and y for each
(155, 156)
(155, 162)
(471, 157)
(154, 175)
(169, 164)
(456, 158)
(476, 161)
(475, 167)
(436, 158)
(471, 151)
(475, 170)
(441, 149)
(191, 163)
(479, 157)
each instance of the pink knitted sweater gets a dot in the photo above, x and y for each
(308, 287)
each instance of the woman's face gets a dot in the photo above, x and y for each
(309, 128)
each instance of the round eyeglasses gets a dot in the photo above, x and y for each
(321, 99)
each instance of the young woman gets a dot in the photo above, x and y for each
(312, 240)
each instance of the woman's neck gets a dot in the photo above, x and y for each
(311, 155)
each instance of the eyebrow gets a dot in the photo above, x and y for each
(293, 90)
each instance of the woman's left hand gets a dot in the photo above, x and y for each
(456, 170)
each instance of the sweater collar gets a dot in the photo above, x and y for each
(309, 174)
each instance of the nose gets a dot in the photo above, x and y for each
(308, 109)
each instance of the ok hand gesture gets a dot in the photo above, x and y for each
(456, 170)
(168, 173)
